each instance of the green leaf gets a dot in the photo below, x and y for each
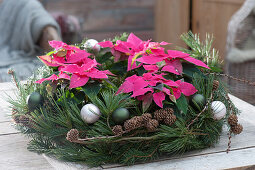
(104, 58)
(190, 69)
(118, 68)
(182, 104)
(91, 89)
(172, 98)
(159, 87)
(51, 52)
(216, 69)
(147, 102)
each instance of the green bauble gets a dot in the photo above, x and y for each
(120, 115)
(197, 101)
(34, 100)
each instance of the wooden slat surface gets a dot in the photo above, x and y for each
(212, 16)
(14, 155)
(172, 20)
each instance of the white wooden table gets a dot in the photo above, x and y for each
(14, 155)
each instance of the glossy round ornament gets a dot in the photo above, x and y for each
(197, 101)
(92, 44)
(34, 100)
(90, 113)
(219, 110)
(120, 115)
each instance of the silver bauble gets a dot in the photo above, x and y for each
(92, 44)
(90, 113)
(218, 110)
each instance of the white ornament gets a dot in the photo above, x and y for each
(92, 44)
(90, 113)
(218, 109)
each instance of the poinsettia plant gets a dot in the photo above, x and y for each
(151, 73)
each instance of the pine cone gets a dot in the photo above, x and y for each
(72, 135)
(152, 125)
(215, 85)
(161, 114)
(237, 129)
(146, 117)
(24, 120)
(170, 119)
(14, 115)
(133, 123)
(169, 110)
(232, 120)
(117, 130)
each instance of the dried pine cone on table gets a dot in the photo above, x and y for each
(72, 135)
(117, 130)
(215, 85)
(14, 115)
(237, 129)
(133, 123)
(146, 117)
(152, 125)
(24, 120)
(161, 114)
(232, 120)
(170, 119)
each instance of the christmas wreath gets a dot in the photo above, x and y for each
(124, 100)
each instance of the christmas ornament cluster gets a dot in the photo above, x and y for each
(123, 100)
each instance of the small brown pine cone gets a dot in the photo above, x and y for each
(133, 123)
(170, 119)
(169, 110)
(160, 114)
(215, 85)
(31, 124)
(14, 115)
(146, 117)
(24, 120)
(232, 120)
(72, 135)
(117, 130)
(237, 129)
(152, 125)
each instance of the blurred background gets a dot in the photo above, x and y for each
(159, 20)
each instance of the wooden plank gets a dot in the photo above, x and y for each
(14, 154)
(110, 15)
(212, 16)
(5, 110)
(237, 158)
(6, 128)
(172, 19)
(7, 86)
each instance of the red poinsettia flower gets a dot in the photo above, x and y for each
(146, 85)
(74, 64)
(133, 48)
(54, 77)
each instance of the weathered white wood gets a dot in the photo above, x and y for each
(7, 86)
(7, 128)
(237, 158)
(61, 165)
(5, 110)
(14, 154)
